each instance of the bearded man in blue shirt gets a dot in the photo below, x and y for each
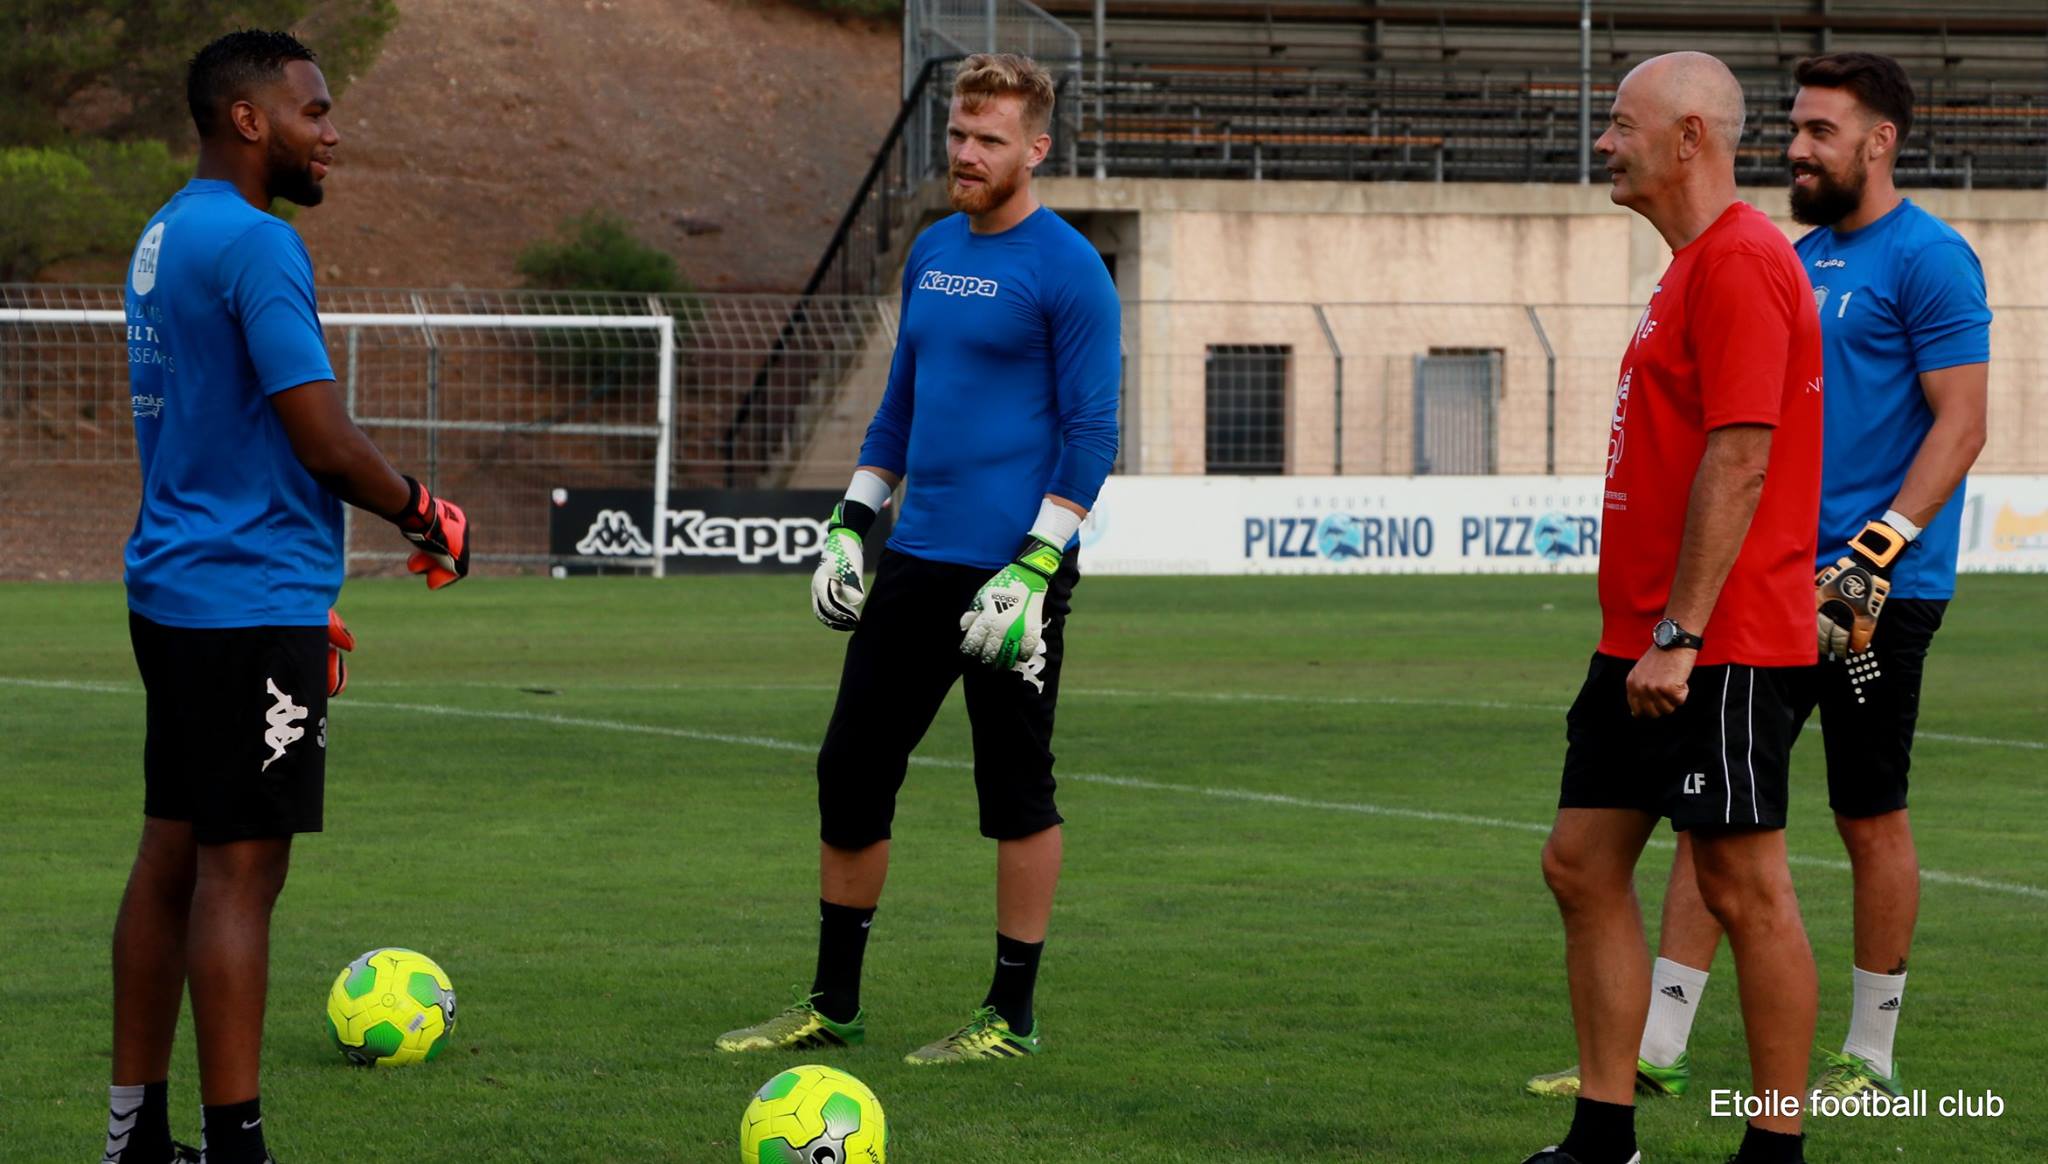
(1905, 334)
(247, 455)
(1001, 416)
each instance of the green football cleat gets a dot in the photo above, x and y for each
(798, 1028)
(986, 1036)
(1846, 1075)
(1652, 1080)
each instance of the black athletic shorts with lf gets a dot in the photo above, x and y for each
(903, 659)
(237, 740)
(1722, 760)
(1869, 706)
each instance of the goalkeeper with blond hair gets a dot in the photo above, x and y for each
(1001, 416)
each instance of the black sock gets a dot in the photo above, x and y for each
(1602, 1133)
(139, 1124)
(233, 1133)
(1763, 1147)
(1016, 977)
(842, 943)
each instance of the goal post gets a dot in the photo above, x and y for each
(496, 410)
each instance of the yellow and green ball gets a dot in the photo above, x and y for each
(813, 1115)
(390, 1008)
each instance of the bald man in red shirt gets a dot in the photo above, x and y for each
(1706, 598)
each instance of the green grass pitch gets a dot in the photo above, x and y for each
(1302, 917)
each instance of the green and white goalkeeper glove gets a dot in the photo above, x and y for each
(836, 588)
(1005, 624)
(1006, 621)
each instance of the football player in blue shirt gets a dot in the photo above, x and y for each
(1906, 342)
(247, 455)
(1001, 413)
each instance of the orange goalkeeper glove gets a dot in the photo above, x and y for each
(441, 532)
(338, 640)
(1849, 595)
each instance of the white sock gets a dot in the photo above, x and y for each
(124, 1103)
(1675, 990)
(1874, 1018)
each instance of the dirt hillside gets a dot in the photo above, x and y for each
(731, 133)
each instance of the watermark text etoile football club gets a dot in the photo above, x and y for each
(1736, 1103)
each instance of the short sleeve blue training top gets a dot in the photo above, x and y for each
(1902, 296)
(232, 530)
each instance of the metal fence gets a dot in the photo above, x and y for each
(495, 398)
(955, 28)
(561, 392)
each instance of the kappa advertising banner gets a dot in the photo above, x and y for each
(1344, 525)
(708, 530)
(2005, 525)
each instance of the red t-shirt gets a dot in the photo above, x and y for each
(1730, 337)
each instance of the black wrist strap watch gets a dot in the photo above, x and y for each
(1669, 636)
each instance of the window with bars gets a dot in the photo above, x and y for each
(1246, 393)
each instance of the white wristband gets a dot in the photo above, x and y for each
(1897, 521)
(868, 489)
(1056, 525)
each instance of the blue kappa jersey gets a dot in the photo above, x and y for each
(1902, 296)
(1003, 389)
(232, 530)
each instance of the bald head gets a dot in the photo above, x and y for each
(1688, 84)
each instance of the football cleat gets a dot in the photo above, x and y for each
(1556, 1155)
(1846, 1075)
(986, 1036)
(800, 1027)
(1651, 1080)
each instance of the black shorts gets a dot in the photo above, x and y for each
(237, 740)
(1721, 760)
(903, 659)
(1869, 706)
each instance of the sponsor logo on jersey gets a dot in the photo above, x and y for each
(962, 285)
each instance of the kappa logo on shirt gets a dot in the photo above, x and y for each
(962, 285)
(1830, 264)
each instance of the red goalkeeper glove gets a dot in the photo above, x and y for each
(440, 531)
(338, 640)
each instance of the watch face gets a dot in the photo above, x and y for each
(1664, 634)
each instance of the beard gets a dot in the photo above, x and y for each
(991, 193)
(291, 178)
(1829, 200)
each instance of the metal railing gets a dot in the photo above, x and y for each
(1443, 124)
(955, 28)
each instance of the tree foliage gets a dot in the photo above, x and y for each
(115, 69)
(598, 252)
(92, 104)
(86, 199)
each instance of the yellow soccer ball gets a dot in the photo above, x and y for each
(813, 1115)
(390, 1008)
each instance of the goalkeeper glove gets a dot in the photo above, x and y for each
(440, 531)
(836, 590)
(1006, 621)
(1850, 594)
(338, 640)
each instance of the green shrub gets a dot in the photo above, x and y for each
(597, 252)
(79, 201)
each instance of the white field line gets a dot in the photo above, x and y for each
(1181, 696)
(1244, 795)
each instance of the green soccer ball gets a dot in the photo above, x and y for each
(813, 1115)
(391, 1008)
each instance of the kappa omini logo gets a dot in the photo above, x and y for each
(946, 284)
(1618, 431)
(614, 534)
(283, 718)
(142, 273)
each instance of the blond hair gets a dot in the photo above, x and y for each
(985, 76)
